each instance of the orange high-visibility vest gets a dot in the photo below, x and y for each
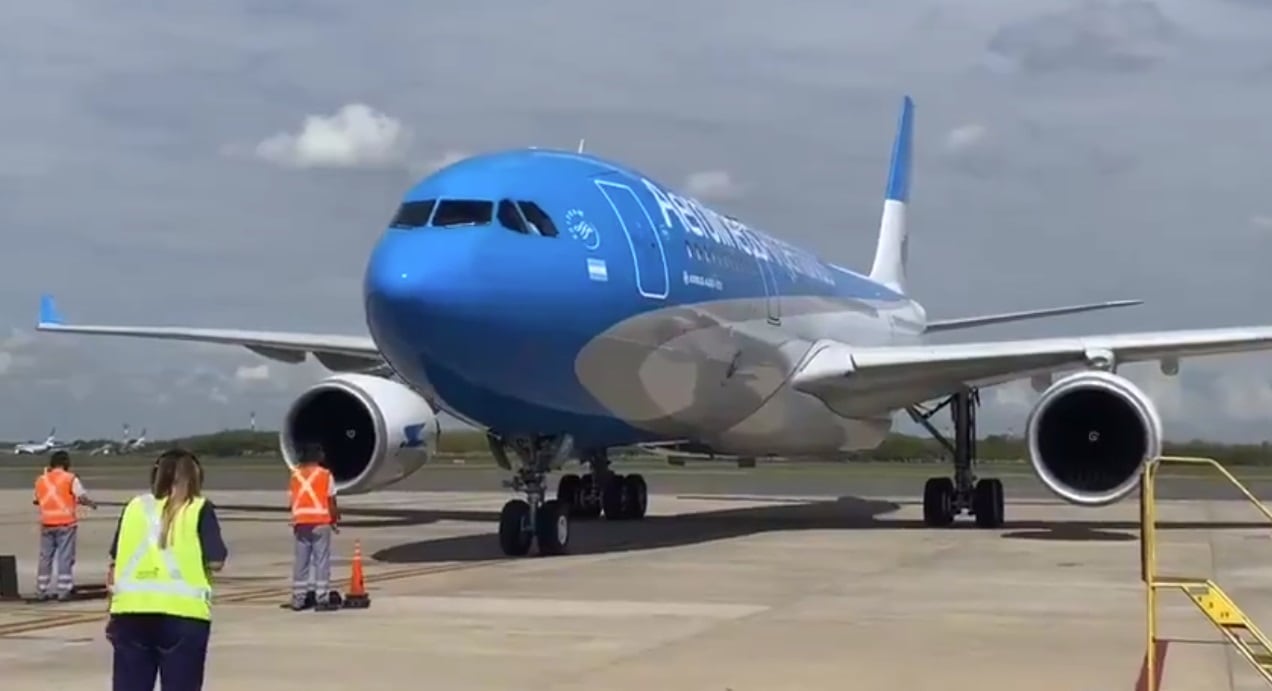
(311, 496)
(54, 490)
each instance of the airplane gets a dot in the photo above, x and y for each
(36, 448)
(125, 445)
(130, 445)
(568, 304)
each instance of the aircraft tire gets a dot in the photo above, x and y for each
(589, 498)
(612, 497)
(552, 528)
(938, 502)
(515, 535)
(987, 503)
(635, 497)
(570, 493)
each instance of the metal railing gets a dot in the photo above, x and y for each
(1152, 582)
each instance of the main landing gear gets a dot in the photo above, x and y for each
(943, 497)
(620, 497)
(547, 521)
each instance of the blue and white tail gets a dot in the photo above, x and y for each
(892, 252)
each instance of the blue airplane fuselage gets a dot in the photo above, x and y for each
(542, 292)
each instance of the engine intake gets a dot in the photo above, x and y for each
(1090, 436)
(374, 432)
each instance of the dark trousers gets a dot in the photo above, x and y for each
(148, 645)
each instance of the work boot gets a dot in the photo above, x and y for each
(325, 605)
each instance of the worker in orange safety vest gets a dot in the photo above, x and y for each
(58, 493)
(314, 517)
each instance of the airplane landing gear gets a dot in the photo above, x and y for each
(533, 519)
(945, 498)
(620, 497)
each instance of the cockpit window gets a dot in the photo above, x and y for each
(538, 219)
(413, 214)
(463, 212)
(511, 219)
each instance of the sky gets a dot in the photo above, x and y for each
(231, 164)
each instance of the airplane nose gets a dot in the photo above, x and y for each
(416, 277)
(399, 270)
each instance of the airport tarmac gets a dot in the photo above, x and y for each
(735, 590)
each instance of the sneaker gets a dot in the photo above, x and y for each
(325, 606)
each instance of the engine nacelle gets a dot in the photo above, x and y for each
(374, 431)
(1090, 436)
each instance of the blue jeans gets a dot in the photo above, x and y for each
(312, 566)
(147, 646)
(57, 547)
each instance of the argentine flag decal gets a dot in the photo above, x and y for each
(596, 270)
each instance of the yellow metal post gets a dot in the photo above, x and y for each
(1148, 572)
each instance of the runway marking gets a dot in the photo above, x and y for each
(550, 607)
(237, 597)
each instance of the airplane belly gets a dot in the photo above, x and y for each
(791, 422)
(685, 371)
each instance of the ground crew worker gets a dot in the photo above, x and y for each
(314, 517)
(58, 493)
(166, 546)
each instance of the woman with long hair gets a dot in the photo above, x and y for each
(166, 547)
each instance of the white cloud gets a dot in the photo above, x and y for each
(256, 373)
(1261, 221)
(964, 137)
(712, 184)
(356, 136)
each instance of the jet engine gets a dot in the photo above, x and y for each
(1090, 436)
(374, 431)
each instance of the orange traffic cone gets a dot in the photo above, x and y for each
(357, 597)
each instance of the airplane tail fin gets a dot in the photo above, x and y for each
(892, 252)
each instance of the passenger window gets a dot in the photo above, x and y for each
(463, 212)
(413, 214)
(510, 218)
(538, 219)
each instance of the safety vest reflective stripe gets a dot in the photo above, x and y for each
(127, 581)
(54, 490)
(305, 501)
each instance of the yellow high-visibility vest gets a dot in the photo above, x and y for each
(151, 580)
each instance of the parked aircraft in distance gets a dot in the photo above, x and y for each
(567, 304)
(39, 447)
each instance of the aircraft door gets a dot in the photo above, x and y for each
(648, 255)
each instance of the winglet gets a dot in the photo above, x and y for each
(48, 311)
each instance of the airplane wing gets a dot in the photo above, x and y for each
(858, 381)
(969, 322)
(335, 352)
